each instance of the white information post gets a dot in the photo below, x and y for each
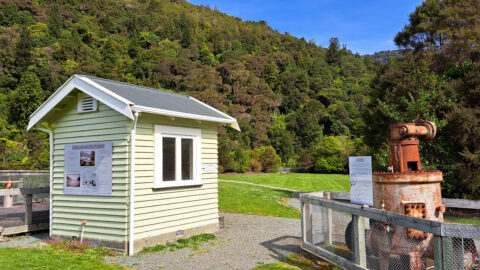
(361, 180)
(88, 169)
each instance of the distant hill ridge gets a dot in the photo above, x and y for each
(383, 57)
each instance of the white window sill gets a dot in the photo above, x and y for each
(178, 186)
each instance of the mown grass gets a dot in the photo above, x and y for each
(247, 199)
(193, 242)
(298, 181)
(59, 255)
(463, 220)
(301, 261)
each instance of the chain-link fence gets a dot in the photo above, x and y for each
(356, 237)
(24, 201)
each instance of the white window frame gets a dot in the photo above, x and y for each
(178, 133)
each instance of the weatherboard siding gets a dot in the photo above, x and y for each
(107, 216)
(163, 211)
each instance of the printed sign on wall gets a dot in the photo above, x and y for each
(361, 180)
(88, 169)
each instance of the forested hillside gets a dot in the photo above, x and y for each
(299, 105)
(287, 93)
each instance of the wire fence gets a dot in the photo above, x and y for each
(356, 237)
(24, 201)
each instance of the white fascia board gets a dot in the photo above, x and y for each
(105, 96)
(55, 98)
(183, 115)
(233, 124)
(120, 105)
(212, 108)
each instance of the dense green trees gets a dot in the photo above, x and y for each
(437, 80)
(298, 104)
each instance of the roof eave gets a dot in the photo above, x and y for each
(75, 82)
(230, 121)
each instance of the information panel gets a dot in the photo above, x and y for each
(88, 169)
(361, 180)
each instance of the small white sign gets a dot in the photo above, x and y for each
(210, 168)
(361, 180)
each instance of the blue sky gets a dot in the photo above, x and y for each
(364, 26)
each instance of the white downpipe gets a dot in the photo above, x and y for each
(50, 135)
(132, 185)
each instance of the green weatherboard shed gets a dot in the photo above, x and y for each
(138, 164)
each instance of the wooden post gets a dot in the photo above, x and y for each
(28, 209)
(438, 251)
(359, 243)
(327, 216)
(307, 233)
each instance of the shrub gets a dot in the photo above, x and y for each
(331, 154)
(255, 165)
(269, 159)
(241, 160)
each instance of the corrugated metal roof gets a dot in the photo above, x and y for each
(155, 98)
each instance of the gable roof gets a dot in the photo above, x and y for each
(127, 98)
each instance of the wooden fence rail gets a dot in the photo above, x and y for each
(449, 203)
(28, 226)
(22, 172)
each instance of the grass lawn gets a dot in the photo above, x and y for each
(463, 220)
(302, 261)
(52, 258)
(247, 199)
(299, 181)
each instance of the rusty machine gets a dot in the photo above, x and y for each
(407, 189)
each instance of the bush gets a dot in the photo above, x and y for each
(255, 165)
(331, 154)
(241, 160)
(269, 159)
(305, 161)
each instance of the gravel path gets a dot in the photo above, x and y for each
(246, 242)
(27, 241)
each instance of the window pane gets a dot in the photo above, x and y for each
(187, 159)
(168, 159)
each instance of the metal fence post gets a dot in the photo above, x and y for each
(359, 244)
(327, 217)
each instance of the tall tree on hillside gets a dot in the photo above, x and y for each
(24, 100)
(55, 21)
(23, 51)
(449, 28)
(334, 52)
